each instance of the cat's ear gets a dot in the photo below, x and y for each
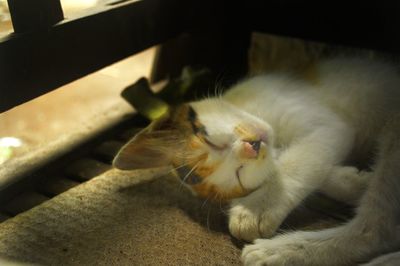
(155, 145)
(143, 151)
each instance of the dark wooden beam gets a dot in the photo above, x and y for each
(223, 45)
(359, 24)
(34, 15)
(34, 63)
(221, 49)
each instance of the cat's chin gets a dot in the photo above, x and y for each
(215, 193)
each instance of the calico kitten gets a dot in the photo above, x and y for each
(271, 140)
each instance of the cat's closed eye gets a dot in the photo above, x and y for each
(219, 147)
(201, 132)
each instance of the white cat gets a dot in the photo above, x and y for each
(272, 140)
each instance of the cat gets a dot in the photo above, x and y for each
(272, 140)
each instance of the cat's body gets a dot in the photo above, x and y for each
(361, 95)
(272, 140)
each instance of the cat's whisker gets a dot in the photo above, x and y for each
(209, 95)
(221, 208)
(218, 87)
(218, 90)
(178, 167)
(174, 169)
(205, 202)
(218, 196)
(183, 181)
(208, 219)
(215, 90)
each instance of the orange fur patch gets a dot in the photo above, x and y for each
(195, 143)
(205, 171)
(245, 134)
(205, 190)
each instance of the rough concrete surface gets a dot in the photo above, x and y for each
(133, 218)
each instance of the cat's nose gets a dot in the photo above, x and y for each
(251, 149)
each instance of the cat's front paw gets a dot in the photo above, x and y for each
(275, 252)
(251, 223)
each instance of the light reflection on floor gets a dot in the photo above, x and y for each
(7, 146)
(71, 9)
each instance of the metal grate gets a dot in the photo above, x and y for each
(93, 161)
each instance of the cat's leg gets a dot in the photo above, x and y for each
(302, 169)
(391, 259)
(371, 232)
(346, 184)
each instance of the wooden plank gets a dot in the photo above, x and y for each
(56, 185)
(34, 15)
(226, 56)
(32, 64)
(107, 150)
(372, 24)
(85, 169)
(129, 133)
(3, 217)
(24, 202)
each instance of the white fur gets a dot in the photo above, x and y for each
(220, 119)
(391, 259)
(312, 129)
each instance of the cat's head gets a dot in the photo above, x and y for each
(219, 151)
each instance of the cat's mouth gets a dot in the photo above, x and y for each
(238, 178)
(204, 189)
(244, 191)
